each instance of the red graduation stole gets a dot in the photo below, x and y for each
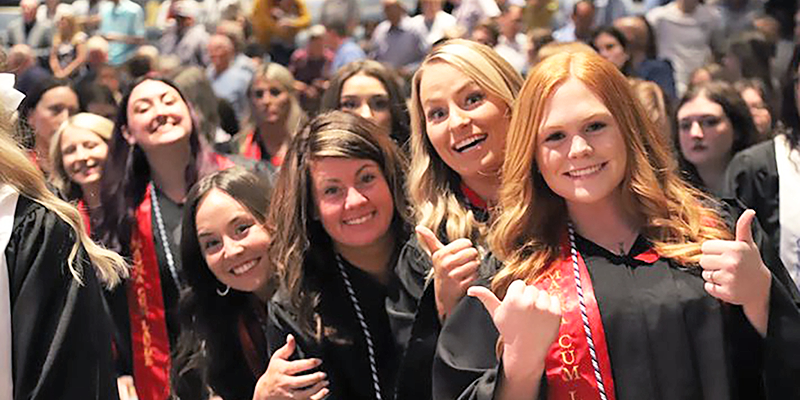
(251, 149)
(149, 339)
(574, 368)
(473, 197)
(87, 220)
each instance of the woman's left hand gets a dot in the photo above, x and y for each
(734, 272)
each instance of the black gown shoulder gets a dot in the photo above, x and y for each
(752, 178)
(61, 332)
(667, 338)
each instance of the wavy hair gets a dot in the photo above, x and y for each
(296, 236)
(432, 185)
(17, 171)
(213, 318)
(100, 126)
(532, 219)
(391, 82)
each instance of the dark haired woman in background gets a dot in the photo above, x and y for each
(373, 91)
(713, 124)
(337, 222)
(228, 304)
(155, 155)
(49, 104)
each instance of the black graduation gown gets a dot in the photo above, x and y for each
(61, 336)
(667, 338)
(411, 306)
(343, 347)
(752, 178)
(232, 377)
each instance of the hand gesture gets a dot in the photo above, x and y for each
(281, 381)
(528, 320)
(734, 272)
(455, 268)
(127, 391)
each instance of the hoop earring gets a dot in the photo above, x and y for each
(223, 293)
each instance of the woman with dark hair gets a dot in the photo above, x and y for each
(229, 303)
(754, 94)
(337, 222)
(373, 91)
(612, 45)
(618, 282)
(713, 124)
(765, 177)
(49, 104)
(156, 154)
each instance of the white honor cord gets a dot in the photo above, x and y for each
(373, 365)
(584, 316)
(162, 233)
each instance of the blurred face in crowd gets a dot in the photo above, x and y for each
(157, 116)
(483, 36)
(611, 49)
(28, 8)
(431, 7)
(705, 133)
(55, 106)
(581, 152)
(511, 21)
(583, 18)
(83, 154)
(393, 10)
(465, 124)
(366, 96)
(353, 201)
(316, 47)
(758, 109)
(220, 52)
(233, 243)
(271, 102)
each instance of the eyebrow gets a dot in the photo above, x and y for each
(548, 126)
(358, 171)
(150, 99)
(467, 85)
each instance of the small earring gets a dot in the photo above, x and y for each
(223, 293)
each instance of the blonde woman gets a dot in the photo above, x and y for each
(460, 110)
(78, 151)
(52, 323)
(68, 52)
(619, 282)
(275, 115)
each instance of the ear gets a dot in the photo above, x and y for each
(128, 137)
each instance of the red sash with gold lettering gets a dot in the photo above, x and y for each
(569, 366)
(150, 342)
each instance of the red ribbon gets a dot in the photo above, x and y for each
(473, 198)
(150, 342)
(87, 220)
(568, 366)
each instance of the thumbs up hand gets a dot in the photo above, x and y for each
(455, 268)
(734, 272)
(528, 320)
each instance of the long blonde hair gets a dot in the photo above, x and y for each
(276, 72)
(432, 185)
(531, 218)
(100, 126)
(18, 172)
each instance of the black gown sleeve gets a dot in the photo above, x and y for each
(60, 332)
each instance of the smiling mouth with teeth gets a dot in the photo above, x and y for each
(359, 220)
(469, 143)
(583, 172)
(243, 268)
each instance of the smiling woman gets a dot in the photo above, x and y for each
(618, 282)
(157, 156)
(337, 223)
(78, 151)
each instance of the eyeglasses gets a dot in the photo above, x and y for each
(705, 121)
